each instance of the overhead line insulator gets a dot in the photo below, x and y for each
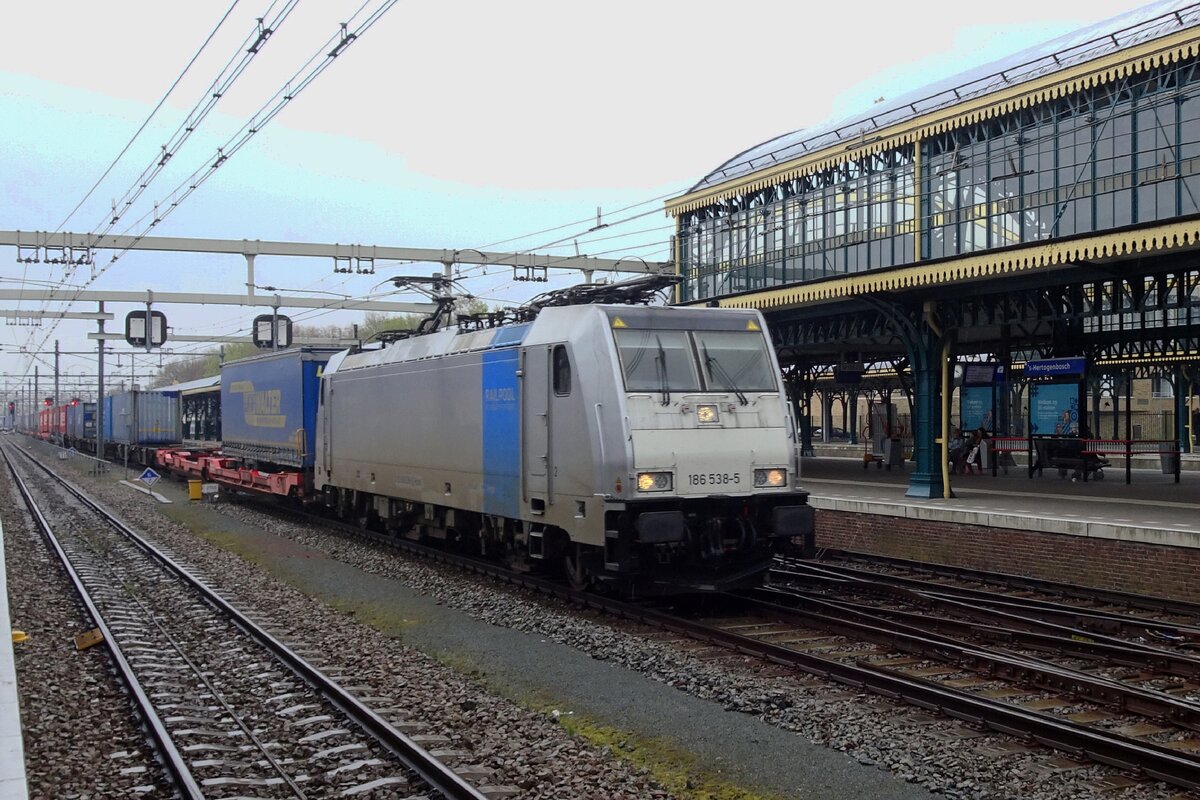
(263, 35)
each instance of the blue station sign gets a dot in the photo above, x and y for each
(1055, 367)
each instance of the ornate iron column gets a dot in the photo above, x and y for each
(923, 338)
(924, 354)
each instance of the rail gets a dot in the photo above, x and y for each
(98, 465)
(920, 634)
(1107, 747)
(1120, 751)
(173, 760)
(1022, 583)
(434, 772)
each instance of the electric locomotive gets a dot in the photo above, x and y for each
(647, 446)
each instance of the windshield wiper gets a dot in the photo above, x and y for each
(664, 384)
(713, 365)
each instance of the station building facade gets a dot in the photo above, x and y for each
(1083, 152)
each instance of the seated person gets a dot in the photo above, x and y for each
(966, 452)
(959, 446)
(973, 457)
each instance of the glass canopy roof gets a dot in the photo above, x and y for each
(1147, 22)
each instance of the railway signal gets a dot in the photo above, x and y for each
(136, 329)
(272, 332)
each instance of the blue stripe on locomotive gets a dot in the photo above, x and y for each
(501, 433)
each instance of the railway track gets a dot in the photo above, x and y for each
(990, 676)
(231, 710)
(964, 581)
(1116, 699)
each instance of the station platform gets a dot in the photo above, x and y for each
(1143, 536)
(13, 782)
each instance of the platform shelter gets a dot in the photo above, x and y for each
(1045, 206)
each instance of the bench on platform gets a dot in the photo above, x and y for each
(1067, 454)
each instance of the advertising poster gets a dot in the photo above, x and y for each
(1054, 409)
(975, 408)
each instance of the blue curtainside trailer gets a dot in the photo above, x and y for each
(269, 406)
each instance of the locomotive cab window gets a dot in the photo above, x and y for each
(657, 360)
(562, 371)
(735, 360)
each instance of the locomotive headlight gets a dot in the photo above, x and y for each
(770, 477)
(707, 413)
(654, 481)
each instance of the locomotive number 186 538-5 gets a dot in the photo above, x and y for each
(713, 478)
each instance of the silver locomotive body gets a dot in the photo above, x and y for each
(624, 442)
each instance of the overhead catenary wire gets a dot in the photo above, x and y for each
(302, 78)
(158, 106)
(246, 50)
(579, 222)
(250, 46)
(200, 350)
(291, 89)
(662, 248)
(269, 112)
(162, 100)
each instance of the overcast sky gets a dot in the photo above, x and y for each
(446, 125)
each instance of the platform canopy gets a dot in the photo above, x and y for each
(1146, 23)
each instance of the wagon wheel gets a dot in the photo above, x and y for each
(578, 576)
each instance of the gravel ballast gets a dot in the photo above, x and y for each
(795, 738)
(81, 735)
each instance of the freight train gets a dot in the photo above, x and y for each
(137, 424)
(618, 442)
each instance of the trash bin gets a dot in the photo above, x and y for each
(195, 490)
(894, 453)
(1170, 463)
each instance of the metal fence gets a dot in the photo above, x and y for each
(1143, 425)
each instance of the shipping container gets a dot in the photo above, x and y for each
(269, 406)
(142, 418)
(81, 421)
(200, 411)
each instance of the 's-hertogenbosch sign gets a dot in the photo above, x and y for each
(1053, 367)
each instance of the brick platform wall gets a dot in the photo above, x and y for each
(1105, 563)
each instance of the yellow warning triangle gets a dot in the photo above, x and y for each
(619, 323)
(752, 326)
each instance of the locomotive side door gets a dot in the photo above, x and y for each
(324, 424)
(535, 427)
